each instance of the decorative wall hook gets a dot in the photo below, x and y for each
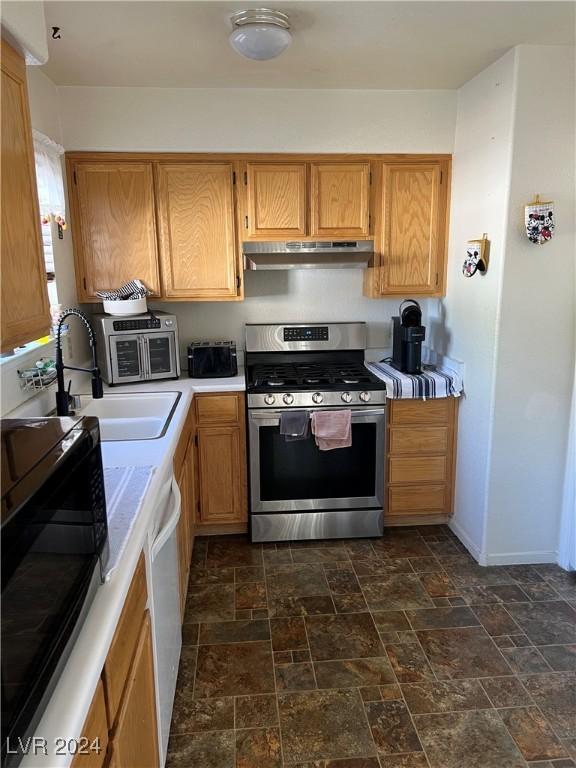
(477, 255)
(539, 220)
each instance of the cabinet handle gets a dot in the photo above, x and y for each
(246, 221)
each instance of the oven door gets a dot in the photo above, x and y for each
(126, 358)
(160, 355)
(291, 476)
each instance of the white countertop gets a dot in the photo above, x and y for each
(66, 712)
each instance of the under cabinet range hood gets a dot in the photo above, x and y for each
(304, 254)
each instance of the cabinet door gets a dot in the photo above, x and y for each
(196, 219)
(221, 474)
(412, 235)
(340, 200)
(276, 200)
(96, 731)
(185, 534)
(113, 225)
(135, 738)
(25, 315)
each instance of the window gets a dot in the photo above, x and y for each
(52, 204)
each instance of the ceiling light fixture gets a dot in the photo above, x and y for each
(260, 33)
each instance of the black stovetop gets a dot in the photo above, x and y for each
(309, 372)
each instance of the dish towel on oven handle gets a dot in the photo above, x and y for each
(332, 429)
(294, 425)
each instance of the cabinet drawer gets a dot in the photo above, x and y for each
(95, 727)
(417, 469)
(124, 641)
(403, 499)
(418, 440)
(217, 409)
(421, 411)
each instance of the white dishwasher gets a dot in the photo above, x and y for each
(166, 608)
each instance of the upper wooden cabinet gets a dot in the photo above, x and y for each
(206, 205)
(197, 234)
(25, 312)
(276, 200)
(304, 200)
(413, 228)
(340, 199)
(113, 224)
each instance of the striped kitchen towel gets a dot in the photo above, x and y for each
(424, 386)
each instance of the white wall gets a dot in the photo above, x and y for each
(26, 27)
(536, 343)
(261, 120)
(466, 323)
(513, 327)
(257, 120)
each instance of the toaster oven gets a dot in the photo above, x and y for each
(137, 347)
(207, 360)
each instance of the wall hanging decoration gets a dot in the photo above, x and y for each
(476, 257)
(539, 220)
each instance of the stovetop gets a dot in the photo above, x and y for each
(326, 376)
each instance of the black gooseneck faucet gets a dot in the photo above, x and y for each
(62, 396)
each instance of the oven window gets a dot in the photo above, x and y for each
(298, 470)
(160, 357)
(127, 358)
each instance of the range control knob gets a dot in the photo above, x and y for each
(365, 396)
(269, 399)
(346, 397)
(317, 397)
(288, 399)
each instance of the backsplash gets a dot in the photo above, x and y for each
(331, 295)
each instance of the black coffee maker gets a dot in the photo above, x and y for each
(408, 335)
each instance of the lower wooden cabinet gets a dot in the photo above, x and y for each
(134, 742)
(95, 731)
(123, 710)
(420, 455)
(185, 472)
(221, 458)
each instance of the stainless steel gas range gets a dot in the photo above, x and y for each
(296, 490)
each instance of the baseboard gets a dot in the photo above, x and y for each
(466, 540)
(519, 558)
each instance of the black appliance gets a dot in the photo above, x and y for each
(54, 551)
(296, 490)
(407, 336)
(212, 359)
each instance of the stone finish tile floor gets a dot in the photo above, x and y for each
(399, 652)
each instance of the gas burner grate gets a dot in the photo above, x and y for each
(323, 375)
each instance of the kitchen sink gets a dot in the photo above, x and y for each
(131, 415)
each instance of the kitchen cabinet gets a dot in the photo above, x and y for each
(276, 200)
(221, 457)
(124, 642)
(95, 731)
(306, 200)
(185, 471)
(134, 742)
(198, 252)
(413, 225)
(420, 456)
(340, 200)
(113, 225)
(25, 314)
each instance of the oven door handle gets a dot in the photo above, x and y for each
(263, 414)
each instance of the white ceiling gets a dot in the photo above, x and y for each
(389, 45)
